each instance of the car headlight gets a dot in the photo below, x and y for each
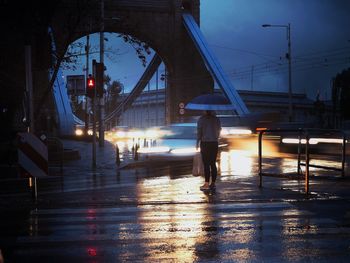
(78, 132)
(296, 141)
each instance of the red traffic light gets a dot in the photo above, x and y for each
(91, 82)
(90, 87)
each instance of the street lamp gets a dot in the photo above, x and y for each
(289, 57)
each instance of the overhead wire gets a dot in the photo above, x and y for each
(305, 62)
(299, 63)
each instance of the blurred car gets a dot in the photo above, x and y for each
(118, 132)
(233, 127)
(80, 129)
(175, 142)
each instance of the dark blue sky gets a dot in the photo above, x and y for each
(254, 57)
(320, 36)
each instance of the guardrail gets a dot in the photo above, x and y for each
(305, 134)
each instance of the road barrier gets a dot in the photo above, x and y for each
(307, 135)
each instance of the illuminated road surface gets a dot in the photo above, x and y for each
(158, 214)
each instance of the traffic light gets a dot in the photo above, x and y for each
(90, 87)
(98, 72)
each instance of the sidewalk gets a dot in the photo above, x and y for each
(158, 214)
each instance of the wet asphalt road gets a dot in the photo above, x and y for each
(158, 214)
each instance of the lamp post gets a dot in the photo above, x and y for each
(101, 130)
(289, 57)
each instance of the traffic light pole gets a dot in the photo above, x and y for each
(101, 137)
(91, 93)
(87, 75)
(93, 133)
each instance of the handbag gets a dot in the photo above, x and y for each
(198, 168)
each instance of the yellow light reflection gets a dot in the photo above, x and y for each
(176, 225)
(297, 223)
(289, 165)
(250, 145)
(224, 164)
(242, 255)
(236, 162)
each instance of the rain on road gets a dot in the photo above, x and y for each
(158, 213)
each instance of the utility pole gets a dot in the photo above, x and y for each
(87, 48)
(289, 57)
(290, 75)
(93, 102)
(91, 92)
(29, 86)
(252, 78)
(101, 99)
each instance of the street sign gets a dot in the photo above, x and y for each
(76, 85)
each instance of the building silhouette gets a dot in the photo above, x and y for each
(149, 108)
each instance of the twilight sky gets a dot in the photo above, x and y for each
(320, 35)
(254, 57)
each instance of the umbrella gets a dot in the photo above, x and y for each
(210, 102)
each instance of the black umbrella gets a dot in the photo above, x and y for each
(210, 102)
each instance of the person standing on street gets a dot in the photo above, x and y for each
(208, 132)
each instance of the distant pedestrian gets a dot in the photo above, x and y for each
(208, 132)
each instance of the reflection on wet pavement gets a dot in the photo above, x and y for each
(236, 162)
(158, 214)
(185, 232)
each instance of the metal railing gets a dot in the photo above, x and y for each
(305, 134)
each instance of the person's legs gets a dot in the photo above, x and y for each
(213, 151)
(205, 152)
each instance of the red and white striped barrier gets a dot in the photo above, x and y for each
(32, 155)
